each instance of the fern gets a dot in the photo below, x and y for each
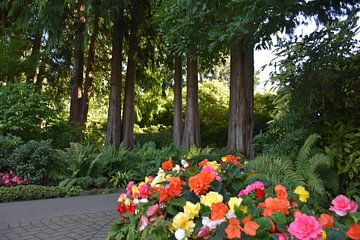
(301, 170)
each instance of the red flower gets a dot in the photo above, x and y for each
(175, 187)
(168, 166)
(260, 193)
(326, 220)
(354, 232)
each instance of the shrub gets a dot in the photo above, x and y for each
(31, 192)
(32, 160)
(8, 144)
(24, 111)
(158, 134)
(101, 182)
(63, 133)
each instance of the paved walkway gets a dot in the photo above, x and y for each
(79, 218)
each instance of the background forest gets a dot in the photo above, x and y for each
(95, 91)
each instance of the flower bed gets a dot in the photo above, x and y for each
(213, 200)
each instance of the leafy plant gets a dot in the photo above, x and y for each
(33, 160)
(8, 144)
(303, 169)
(24, 111)
(120, 179)
(31, 192)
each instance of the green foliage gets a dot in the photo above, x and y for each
(32, 160)
(299, 170)
(8, 144)
(345, 149)
(84, 182)
(159, 134)
(62, 134)
(24, 111)
(120, 179)
(30, 192)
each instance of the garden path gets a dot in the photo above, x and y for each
(80, 218)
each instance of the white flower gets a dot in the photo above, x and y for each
(180, 234)
(144, 200)
(211, 224)
(230, 215)
(205, 221)
(184, 163)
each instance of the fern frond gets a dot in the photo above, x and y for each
(305, 151)
(317, 160)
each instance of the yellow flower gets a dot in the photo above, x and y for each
(224, 159)
(243, 209)
(323, 235)
(135, 189)
(147, 180)
(215, 165)
(192, 210)
(303, 194)
(159, 178)
(176, 168)
(210, 198)
(234, 202)
(142, 183)
(122, 197)
(182, 220)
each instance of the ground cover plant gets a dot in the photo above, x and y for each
(214, 200)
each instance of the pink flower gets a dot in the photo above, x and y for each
(282, 236)
(144, 222)
(306, 228)
(204, 232)
(129, 188)
(341, 205)
(252, 187)
(144, 191)
(152, 210)
(210, 168)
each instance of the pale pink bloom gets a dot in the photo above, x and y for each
(341, 205)
(129, 188)
(306, 228)
(152, 210)
(144, 222)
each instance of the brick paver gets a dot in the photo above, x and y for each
(84, 223)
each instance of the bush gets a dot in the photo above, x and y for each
(8, 144)
(101, 182)
(62, 134)
(30, 192)
(33, 161)
(24, 111)
(159, 134)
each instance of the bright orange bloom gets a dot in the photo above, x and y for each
(280, 191)
(272, 205)
(250, 228)
(219, 211)
(232, 159)
(326, 220)
(175, 187)
(297, 213)
(200, 183)
(168, 166)
(354, 232)
(233, 229)
(203, 163)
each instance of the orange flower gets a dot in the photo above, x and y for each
(272, 205)
(297, 213)
(200, 183)
(281, 191)
(232, 159)
(233, 229)
(203, 163)
(175, 187)
(326, 220)
(354, 232)
(168, 166)
(219, 211)
(250, 228)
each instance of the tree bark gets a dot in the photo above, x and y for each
(129, 99)
(241, 121)
(34, 54)
(77, 77)
(178, 118)
(192, 122)
(113, 131)
(88, 73)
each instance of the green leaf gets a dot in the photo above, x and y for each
(278, 218)
(220, 232)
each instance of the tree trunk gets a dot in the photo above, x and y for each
(35, 56)
(88, 73)
(241, 121)
(192, 122)
(113, 131)
(178, 119)
(77, 77)
(129, 100)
